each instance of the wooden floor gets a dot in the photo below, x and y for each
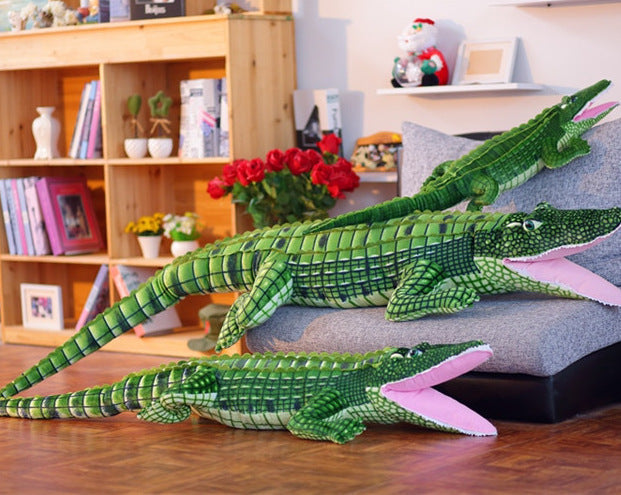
(123, 455)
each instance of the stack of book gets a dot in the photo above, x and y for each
(86, 139)
(203, 127)
(49, 215)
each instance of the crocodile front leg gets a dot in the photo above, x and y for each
(273, 287)
(173, 406)
(555, 158)
(417, 294)
(321, 419)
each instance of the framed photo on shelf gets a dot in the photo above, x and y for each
(42, 306)
(69, 215)
(379, 152)
(485, 61)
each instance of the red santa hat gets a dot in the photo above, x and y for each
(424, 21)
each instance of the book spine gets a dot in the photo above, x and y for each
(86, 127)
(19, 218)
(94, 139)
(52, 228)
(13, 213)
(37, 225)
(123, 291)
(223, 134)
(23, 209)
(97, 293)
(77, 130)
(6, 214)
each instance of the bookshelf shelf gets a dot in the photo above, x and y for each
(49, 67)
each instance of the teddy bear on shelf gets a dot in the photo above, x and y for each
(424, 64)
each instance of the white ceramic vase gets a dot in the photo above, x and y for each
(160, 147)
(150, 245)
(46, 130)
(135, 147)
(179, 248)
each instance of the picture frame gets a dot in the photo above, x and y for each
(42, 306)
(485, 61)
(69, 216)
(379, 152)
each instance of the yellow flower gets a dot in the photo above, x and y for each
(147, 225)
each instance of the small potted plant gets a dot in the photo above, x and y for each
(148, 230)
(184, 230)
(160, 144)
(135, 147)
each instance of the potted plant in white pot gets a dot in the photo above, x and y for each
(135, 147)
(160, 145)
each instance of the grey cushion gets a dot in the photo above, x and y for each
(529, 333)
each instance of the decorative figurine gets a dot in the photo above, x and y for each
(424, 64)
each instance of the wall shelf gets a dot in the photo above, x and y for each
(548, 3)
(450, 90)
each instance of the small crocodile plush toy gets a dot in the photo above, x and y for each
(551, 139)
(314, 396)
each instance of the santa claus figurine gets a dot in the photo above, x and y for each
(424, 64)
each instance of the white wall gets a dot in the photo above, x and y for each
(350, 45)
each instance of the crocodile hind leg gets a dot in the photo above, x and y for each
(484, 190)
(174, 405)
(417, 294)
(322, 419)
(273, 287)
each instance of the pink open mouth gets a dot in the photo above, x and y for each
(416, 395)
(592, 111)
(553, 268)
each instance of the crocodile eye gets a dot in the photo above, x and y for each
(396, 355)
(530, 225)
(414, 352)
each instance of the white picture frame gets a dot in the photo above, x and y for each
(42, 306)
(485, 61)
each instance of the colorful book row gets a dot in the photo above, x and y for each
(49, 215)
(86, 141)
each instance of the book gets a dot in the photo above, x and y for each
(74, 148)
(317, 112)
(93, 147)
(155, 9)
(37, 225)
(98, 298)
(12, 207)
(19, 218)
(23, 211)
(129, 278)
(69, 216)
(6, 215)
(199, 117)
(88, 117)
(223, 135)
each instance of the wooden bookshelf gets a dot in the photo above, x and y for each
(48, 67)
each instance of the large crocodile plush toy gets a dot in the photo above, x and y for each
(421, 264)
(551, 139)
(315, 396)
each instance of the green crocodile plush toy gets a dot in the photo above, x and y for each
(551, 139)
(421, 264)
(314, 396)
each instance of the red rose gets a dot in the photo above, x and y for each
(343, 176)
(300, 163)
(216, 188)
(313, 156)
(290, 155)
(255, 170)
(330, 143)
(321, 173)
(229, 173)
(275, 160)
(335, 192)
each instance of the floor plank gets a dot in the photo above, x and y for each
(125, 455)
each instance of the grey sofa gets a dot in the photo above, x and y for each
(553, 358)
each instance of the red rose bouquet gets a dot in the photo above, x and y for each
(288, 186)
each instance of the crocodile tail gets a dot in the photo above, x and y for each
(394, 208)
(161, 291)
(132, 393)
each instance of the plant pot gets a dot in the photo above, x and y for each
(135, 147)
(160, 147)
(150, 245)
(179, 248)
